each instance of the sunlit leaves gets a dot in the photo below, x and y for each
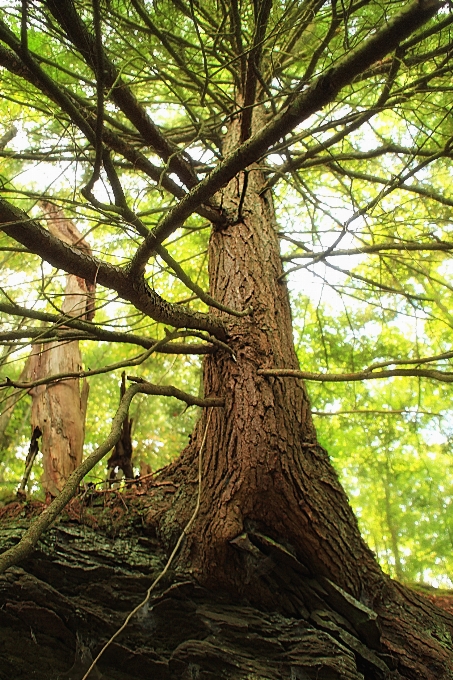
(389, 440)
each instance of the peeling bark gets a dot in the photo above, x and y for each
(58, 409)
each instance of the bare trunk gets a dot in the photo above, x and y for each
(59, 409)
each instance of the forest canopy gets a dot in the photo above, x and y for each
(115, 114)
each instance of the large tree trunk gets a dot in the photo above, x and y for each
(273, 515)
(263, 469)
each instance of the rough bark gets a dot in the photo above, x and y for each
(58, 409)
(263, 466)
(270, 495)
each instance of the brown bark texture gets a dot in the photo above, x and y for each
(263, 466)
(58, 409)
(272, 504)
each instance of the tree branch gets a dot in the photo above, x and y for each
(381, 286)
(322, 91)
(8, 136)
(414, 188)
(59, 377)
(311, 157)
(433, 374)
(262, 12)
(26, 65)
(56, 334)
(129, 287)
(381, 412)
(66, 15)
(377, 248)
(170, 391)
(177, 58)
(31, 537)
(65, 100)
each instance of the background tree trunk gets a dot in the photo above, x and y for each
(59, 409)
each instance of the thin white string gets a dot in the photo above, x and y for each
(169, 561)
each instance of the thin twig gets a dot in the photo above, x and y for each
(381, 412)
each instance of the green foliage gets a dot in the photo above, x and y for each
(389, 440)
(161, 426)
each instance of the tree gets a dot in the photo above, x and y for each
(165, 117)
(58, 411)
